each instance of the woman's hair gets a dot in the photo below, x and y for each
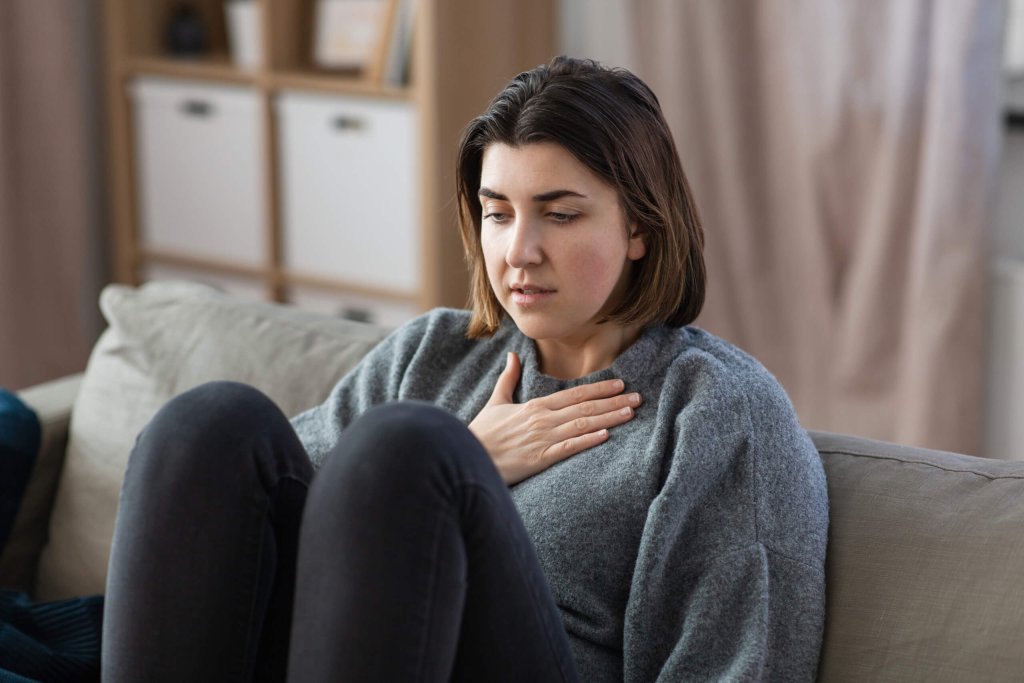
(612, 123)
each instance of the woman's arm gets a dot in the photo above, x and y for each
(375, 379)
(729, 580)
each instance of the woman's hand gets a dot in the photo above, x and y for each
(525, 438)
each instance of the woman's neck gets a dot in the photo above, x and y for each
(571, 359)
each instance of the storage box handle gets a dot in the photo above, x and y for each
(345, 122)
(197, 108)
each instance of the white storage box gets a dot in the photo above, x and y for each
(350, 194)
(200, 166)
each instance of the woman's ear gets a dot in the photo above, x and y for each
(637, 248)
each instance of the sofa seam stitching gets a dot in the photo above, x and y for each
(920, 462)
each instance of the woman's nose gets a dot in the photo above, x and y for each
(525, 247)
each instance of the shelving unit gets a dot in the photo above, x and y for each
(463, 51)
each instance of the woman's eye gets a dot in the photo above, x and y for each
(496, 217)
(562, 217)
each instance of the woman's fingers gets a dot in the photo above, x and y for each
(600, 406)
(585, 414)
(585, 425)
(582, 393)
(588, 424)
(507, 381)
(577, 444)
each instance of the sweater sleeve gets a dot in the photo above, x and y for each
(376, 379)
(729, 579)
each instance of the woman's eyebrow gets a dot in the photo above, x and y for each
(543, 197)
(557, 194)
(491, 194)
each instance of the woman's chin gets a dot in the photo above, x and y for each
(532, 326)
(541, 330)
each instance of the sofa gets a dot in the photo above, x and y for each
(926, 549)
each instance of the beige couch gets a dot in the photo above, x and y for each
(926, 554)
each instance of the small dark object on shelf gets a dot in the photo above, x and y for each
(186, 32)
(1014, 112)
(359, 315)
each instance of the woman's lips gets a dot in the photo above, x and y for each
(529, 296)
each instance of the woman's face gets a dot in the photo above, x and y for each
(555, 241)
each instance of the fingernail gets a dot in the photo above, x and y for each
(620, 385)
(626, 411)
(634, 399)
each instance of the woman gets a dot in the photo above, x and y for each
(633, 499)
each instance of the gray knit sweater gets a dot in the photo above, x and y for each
(690, 545)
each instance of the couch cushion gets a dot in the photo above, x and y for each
(925, 564)
(163, 339)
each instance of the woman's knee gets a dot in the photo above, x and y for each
(222, 407)
(402, 424)
(405, 441)
(201, 429)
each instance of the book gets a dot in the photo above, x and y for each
(398, 57)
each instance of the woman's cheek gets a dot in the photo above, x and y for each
(493, 258)
(594, 270)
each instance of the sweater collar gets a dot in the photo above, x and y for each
(633, 364)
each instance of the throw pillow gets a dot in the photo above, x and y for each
(165, 338)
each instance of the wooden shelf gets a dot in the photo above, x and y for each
(455, 68)
(191, 262)
(208, 69)
(280, 277)
(333, 285)
(333, 83)
(223, 71)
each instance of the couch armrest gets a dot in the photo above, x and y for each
(52, 402)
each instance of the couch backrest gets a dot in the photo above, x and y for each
(925, 564)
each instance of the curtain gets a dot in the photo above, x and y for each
(844, 157)
(51, 246)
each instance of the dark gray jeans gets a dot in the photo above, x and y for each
(406, 560)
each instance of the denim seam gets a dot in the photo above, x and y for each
(431, 589)
(252, 639)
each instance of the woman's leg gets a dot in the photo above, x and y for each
(203, 560)
(414, 564)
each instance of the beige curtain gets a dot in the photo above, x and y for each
(51, 245)
(844, 156)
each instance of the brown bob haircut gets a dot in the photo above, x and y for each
(612, 123)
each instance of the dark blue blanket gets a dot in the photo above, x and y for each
(39, 642)
(20, 434)
(49, 642)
